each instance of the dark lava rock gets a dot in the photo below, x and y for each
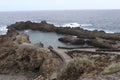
(101, 43)
(43, 26)
(72, 40)
(79, 32)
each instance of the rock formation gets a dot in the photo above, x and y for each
(102, 43)
(91, 36)
(18, 53)
(72, 40)
(43, 26)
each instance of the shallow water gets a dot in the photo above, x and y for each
(47, 38)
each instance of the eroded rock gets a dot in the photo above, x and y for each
(102, 43)
(18, 54)
(104, 38)
(72, 40)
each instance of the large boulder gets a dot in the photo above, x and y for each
(72, 40)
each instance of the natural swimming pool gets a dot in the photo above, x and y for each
(47, 38)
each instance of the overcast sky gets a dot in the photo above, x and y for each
(22, 5)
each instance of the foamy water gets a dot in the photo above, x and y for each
(3, 30)
(107, 20)
(71, 25)
(75, 24)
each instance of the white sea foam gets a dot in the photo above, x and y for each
(86, 25)
(92, 29)
(71, 25)
(26, 31)
(108, 31)
(75, 25)
(3, 30)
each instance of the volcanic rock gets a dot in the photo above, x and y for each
(43, 26)
(101, 43)
(18, 54)
(72, 40)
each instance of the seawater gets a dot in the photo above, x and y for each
(47, 38)
(107, 20)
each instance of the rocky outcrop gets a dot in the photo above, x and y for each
(43, 26)
(39, 44)
(30, 57)
(91, 36)
(72, 40)
(17, 53)
(97, 42)
(102, 43)
(22, 38)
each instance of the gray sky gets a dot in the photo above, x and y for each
(22, 5)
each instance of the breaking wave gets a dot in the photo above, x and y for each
(75, 25)
(3, 30)
(85, 26)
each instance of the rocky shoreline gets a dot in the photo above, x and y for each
(94, 38)
(18, 54)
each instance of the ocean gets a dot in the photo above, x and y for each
(107, 20)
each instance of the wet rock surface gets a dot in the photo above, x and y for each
(104, 40)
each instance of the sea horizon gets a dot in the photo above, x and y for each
(55, 10)
(100, 19)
